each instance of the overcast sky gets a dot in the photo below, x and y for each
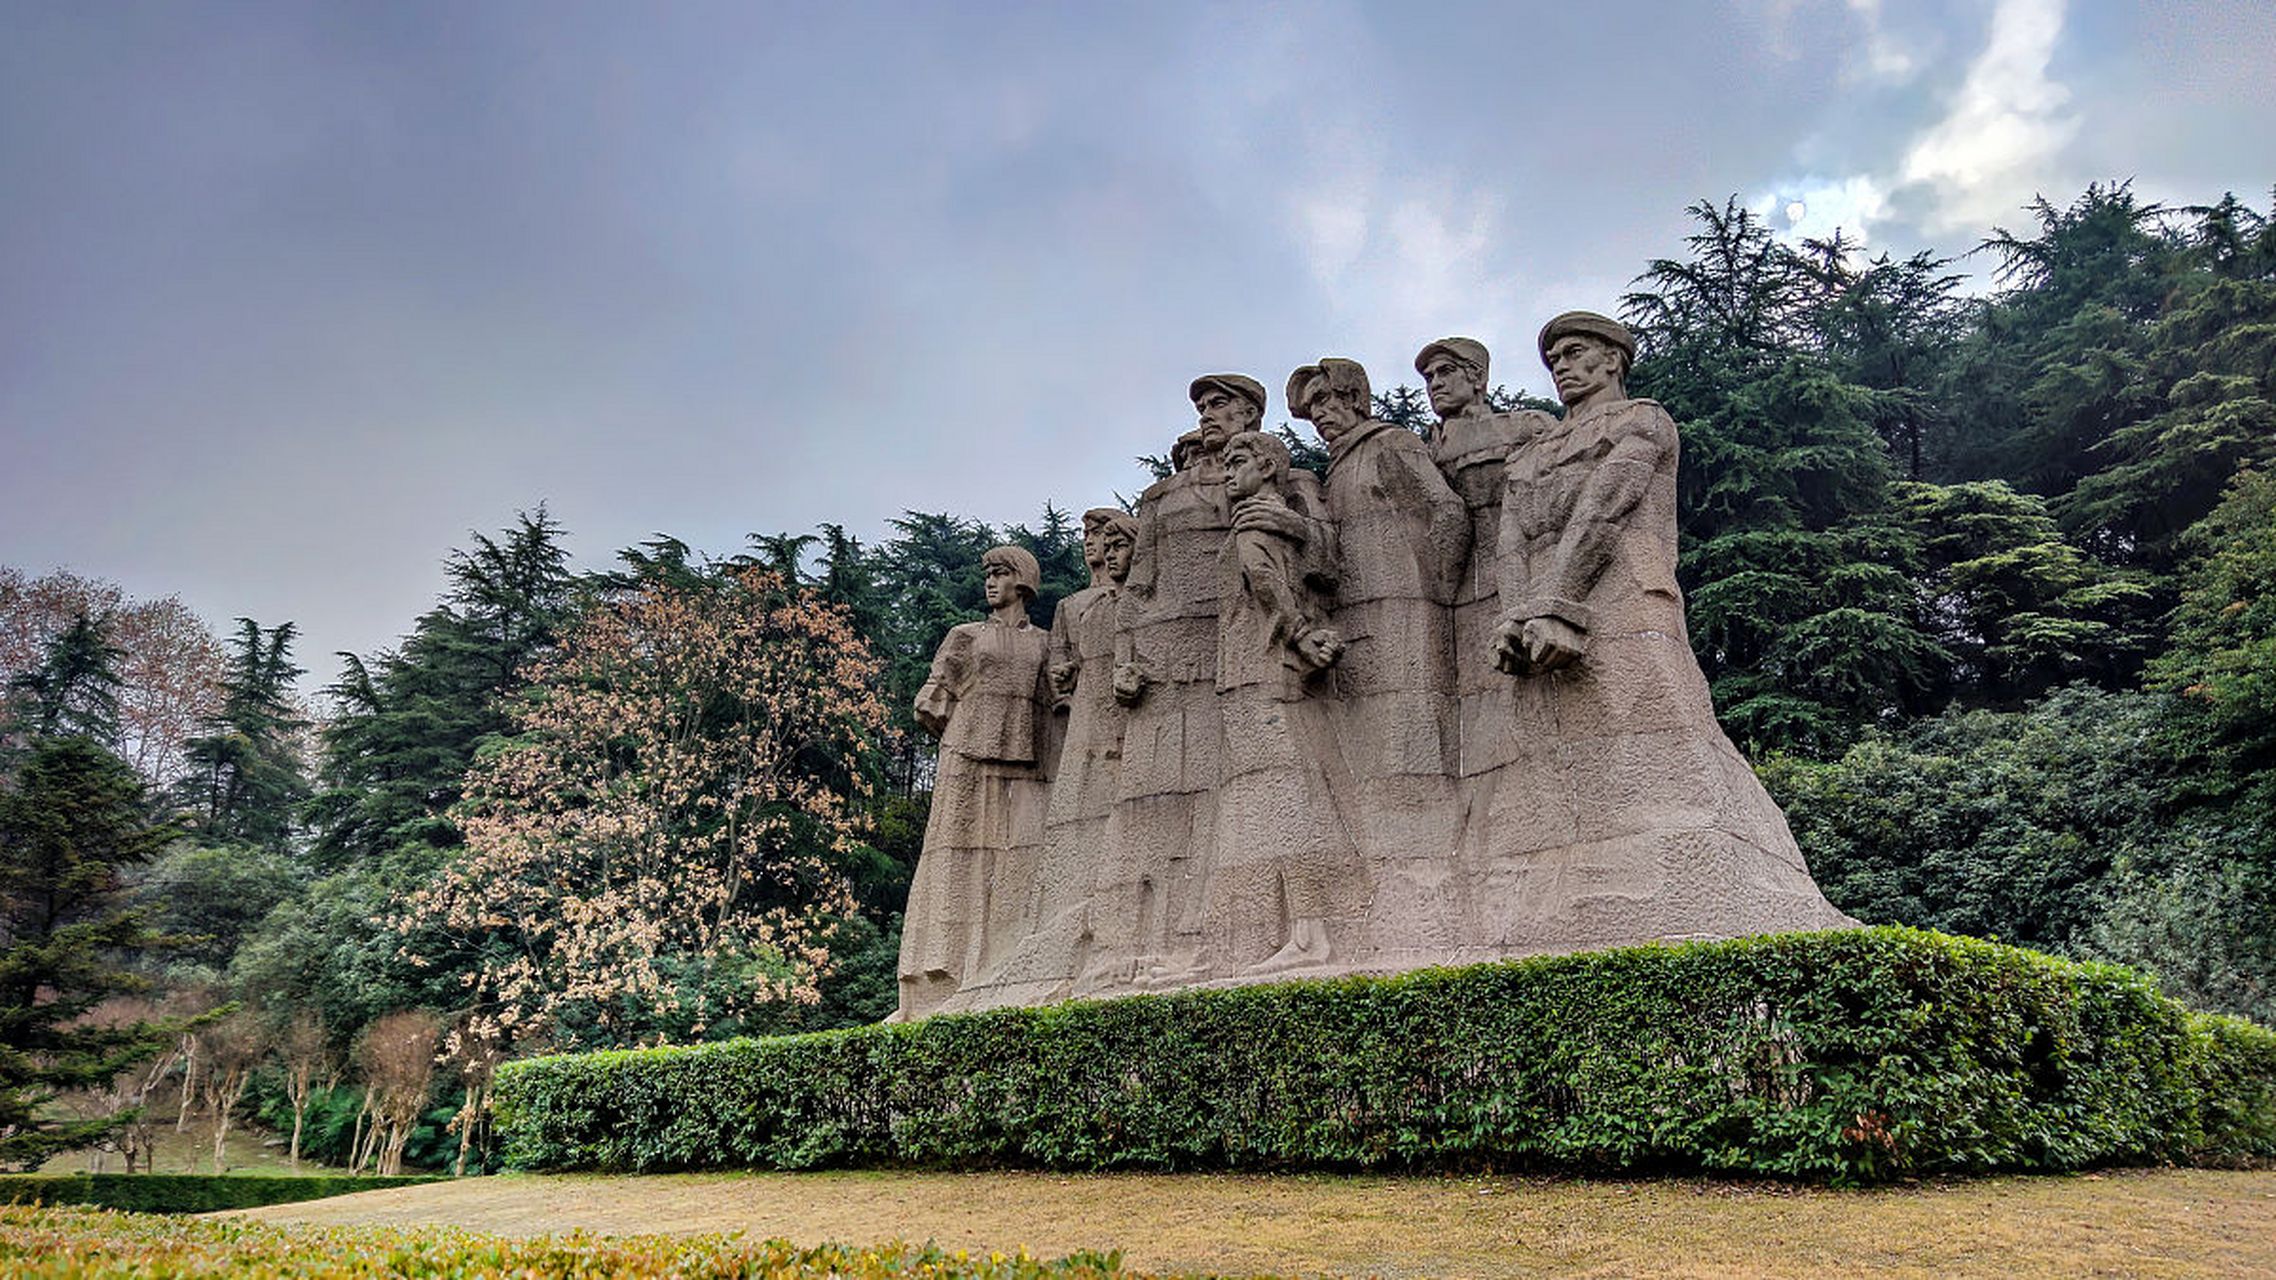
(294, 296)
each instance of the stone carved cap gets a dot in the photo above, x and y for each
(1232, 384)
(1590, 325)
(1027, 575)
(1331, 373)
(1467, 351)
(1114, 519)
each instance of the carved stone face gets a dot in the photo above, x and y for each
(1585, 368)
(1248, 470)
(1223, 416)
(1453, 386)
(1094, 549)
(1002, 585)
(1115, 550)
(1335, 411)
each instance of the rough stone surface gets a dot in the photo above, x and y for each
(1438, 708)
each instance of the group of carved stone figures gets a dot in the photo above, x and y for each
(1437, 707)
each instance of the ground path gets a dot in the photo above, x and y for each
(2130, 1223)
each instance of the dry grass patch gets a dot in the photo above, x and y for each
(2137, 1223)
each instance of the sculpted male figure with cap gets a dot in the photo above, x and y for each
(1602, 459)
(1632, 816)
(1165, 658)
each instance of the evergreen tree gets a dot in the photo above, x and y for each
(2018, 609)
(75, 688)
(409, 721)
(71, 822)
(245, 780)
(2209, 371)
(1799, 581)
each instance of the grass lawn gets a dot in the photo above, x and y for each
(247, 1149)
(2187, 1222)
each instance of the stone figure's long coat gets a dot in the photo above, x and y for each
(1285, 849)
(1626, 812)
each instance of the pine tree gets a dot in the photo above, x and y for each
(71, 822)
(75, 689)
(246, 781)
(409, 722)
(1799, 582)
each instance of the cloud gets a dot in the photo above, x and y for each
(1813, 208)
(1993, 147)
(1885, 59)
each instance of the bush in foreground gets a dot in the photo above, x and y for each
(183, 1192)
(1848, 1056)
(84, 1244)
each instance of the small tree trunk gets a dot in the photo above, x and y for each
(299, 1114)
(189, 1080)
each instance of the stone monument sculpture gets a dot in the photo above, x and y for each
(1054, 939)
(1625, 812)
(1436, 708)
(1287, 888)
(986, 699)
(1405, 536)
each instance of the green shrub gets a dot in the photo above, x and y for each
(181, 1192)
(1847, 1056)
(71, 1244)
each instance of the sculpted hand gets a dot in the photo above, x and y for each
(1129, 683)
(1320, 647)
(1258, 514)
(1510, 657)
(1063, 677)
(1551, 643)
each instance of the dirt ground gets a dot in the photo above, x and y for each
(2134, 1223)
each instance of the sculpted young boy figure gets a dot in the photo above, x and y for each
(1287, 881)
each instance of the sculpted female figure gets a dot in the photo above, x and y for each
(987, 699)
(1627, 813)
(1053, 939)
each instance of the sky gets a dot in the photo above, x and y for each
(295, 297)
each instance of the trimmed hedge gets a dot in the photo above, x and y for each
(184, 1192)
(1847, 1056)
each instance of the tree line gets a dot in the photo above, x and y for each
(1984, 580)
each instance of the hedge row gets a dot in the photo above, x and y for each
(1847, 1056)
(182, 1192)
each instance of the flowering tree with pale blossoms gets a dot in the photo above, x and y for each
(656, 852)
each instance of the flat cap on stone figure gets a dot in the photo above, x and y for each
(1545, 623)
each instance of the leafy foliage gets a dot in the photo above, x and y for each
(53, 1243)
(409, 721)
(650, 855)
(184, 1192)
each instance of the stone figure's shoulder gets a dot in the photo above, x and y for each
(962, 637)
(1641, 417)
